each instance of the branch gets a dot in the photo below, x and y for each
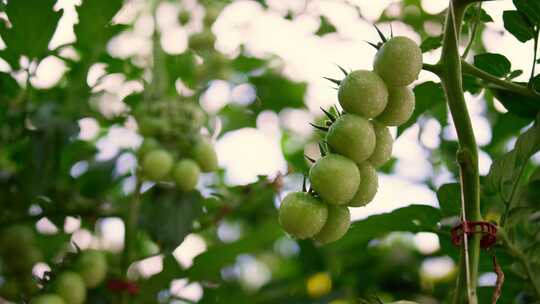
(504, 84)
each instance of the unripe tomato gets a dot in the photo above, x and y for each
(147, 145)
(92, 266)
(335, 178)
(368, 186)
(337, 224)
(319, 285)
(186, 174)
(70, 287)
(202, 41)
(383, 145)
(363, 93)
(184, 17)
(205, 155)
(400, 106)
(301, 215)
(157, 164)
(398, 61)
(352, 136)
(49, 298)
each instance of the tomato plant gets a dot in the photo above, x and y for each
(159, 152)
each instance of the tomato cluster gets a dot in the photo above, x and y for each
(173, 148)
(357, 141)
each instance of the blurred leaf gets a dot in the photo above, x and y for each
(245, 64)
(413, 218)
(514, 74)
(470, 15)
(505, 125)
(234, 116)
(519, 105)
(529, 8)
(275, 92)
(293, 150)
(97, 179)
(183, 66)
(94, 28)
(33, 25)
(495, 64)
(207, 266)
(449, 196)
(428, 95)
(51, 244)
(9, 89)
(150, 288)
(168, 215)
(325, 27)
(431, 43)
(517, 26)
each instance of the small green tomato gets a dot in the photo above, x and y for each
(352, 136)
(398, 61)
(363, 93)
(368, 186)
(49, 298)
(70, 287)
(301, 215)
(337, 224)
(205, 155)
(92, 266)
(399, 108)
(157, 164)
(336, 179)
(186, 174)
(383, 145)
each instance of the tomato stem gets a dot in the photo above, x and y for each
(451, 81)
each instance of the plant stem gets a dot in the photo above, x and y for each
(517, 253)
(130, 221)
(508, 85)
(534, 55)
(451, 80)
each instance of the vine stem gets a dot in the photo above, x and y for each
(467, 157)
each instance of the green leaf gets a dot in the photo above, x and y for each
(505, 126)
(518, 26)
(470, 15)
(326, 27)
(8, 87)
(428, 96)
(514, 74)
(207, 265)
(234, 116)
(449, 196)
(275, 92)
(413, 218)
(33, 23)
(529, 8)
(51, 244)
(245, 64)
(94, 28)
(168, 215)
(495, 64)
(522, 106)
(431, 43)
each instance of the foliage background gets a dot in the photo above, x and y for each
(70, 77)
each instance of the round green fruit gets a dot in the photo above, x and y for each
(147, 145)
(336, 179)
(398, 61)
(70, 287)
(399, 108)
(205, 155)
(157, 164)
(92, 266)
(186, 174)
(368, 186)
(383, 146)
(337, 224)
(302, 215)
(202, 41)
(363, 93)
(352, 136)
(184, 17)
(48, 298)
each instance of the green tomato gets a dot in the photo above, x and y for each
(398, 61)
(202, 41)
(205, 155)
(383, 145)
(335, 178)
(184, 17)
(301, 215)
(92, 266)
(70, 287)
(157, 164)
(363, 93)
(368, 186)
(337, 224)
(352, 136)
(49, 298)
(147, 145)
(186, 174)
(400, 106)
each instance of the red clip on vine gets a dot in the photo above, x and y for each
(117, 285)
(488, 231)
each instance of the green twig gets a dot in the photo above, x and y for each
(451, 81)
(130, 221)
(534, 55)
(474, 30)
